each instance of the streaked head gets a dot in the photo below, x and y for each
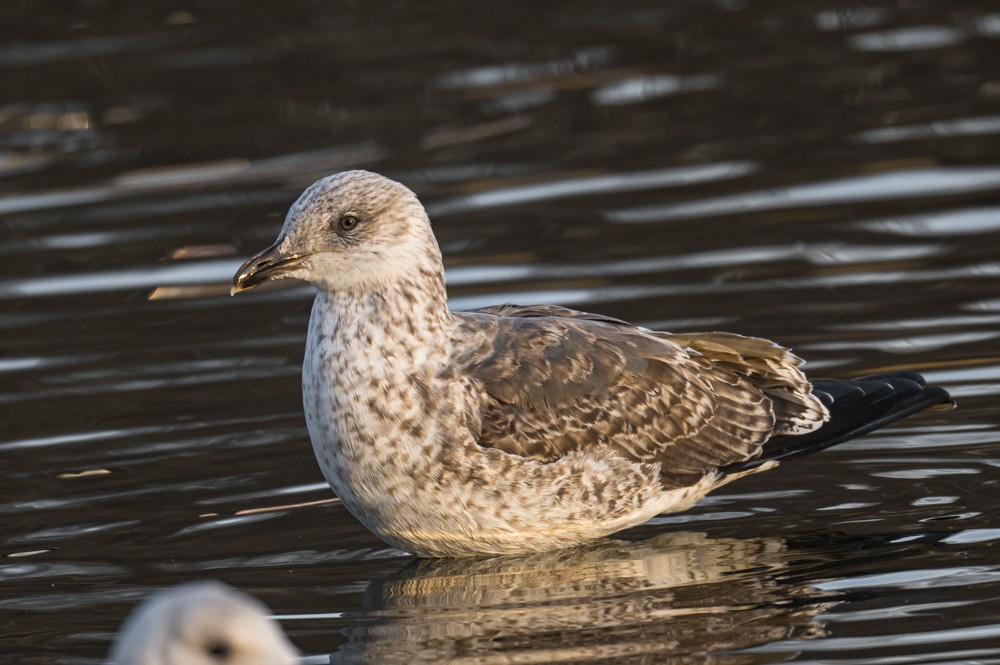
(201, 623)
(354, 231)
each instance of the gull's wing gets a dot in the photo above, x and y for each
(554, 380)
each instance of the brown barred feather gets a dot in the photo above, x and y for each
(554, 380)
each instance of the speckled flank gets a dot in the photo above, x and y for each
(508, 429)
(392, 441)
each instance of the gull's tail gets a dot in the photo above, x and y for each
(857, 407)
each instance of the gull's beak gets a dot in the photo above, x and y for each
(269, 264)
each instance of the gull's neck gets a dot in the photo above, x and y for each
(412, 311)
(370, 393)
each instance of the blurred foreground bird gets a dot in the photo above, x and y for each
(201, 623)
(512, 429)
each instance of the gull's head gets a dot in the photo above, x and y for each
(353, 231)
(202, 623)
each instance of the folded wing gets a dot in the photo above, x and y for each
(553, 380)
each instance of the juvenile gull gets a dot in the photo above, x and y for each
(201, 623)
(512, 429)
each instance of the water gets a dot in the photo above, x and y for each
(823, 174)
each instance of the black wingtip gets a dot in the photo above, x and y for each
(857, 407)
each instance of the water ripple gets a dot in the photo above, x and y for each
(929, 578)
(70, 532)
(857, 189)
(915, 38)
(289, 558)
(500, 75)
(227, 172)
(19, 571)
(910, 344)
(38, 53)
(928, 637)
(602, 184)
(642, 88)
(850, 19)
(937, 129)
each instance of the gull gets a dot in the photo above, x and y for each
(513, 429)
(201, 623)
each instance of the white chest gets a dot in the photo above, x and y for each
(372, 402)
(389, 428)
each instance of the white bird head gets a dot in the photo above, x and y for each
(201, 623)
(355, 231)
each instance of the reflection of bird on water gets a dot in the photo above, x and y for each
(512, 429)
(201, 623)
(660, 600)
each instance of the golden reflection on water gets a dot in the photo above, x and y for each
(667, 597)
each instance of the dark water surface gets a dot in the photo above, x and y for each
(825, 174)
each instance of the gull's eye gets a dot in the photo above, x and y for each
(347, 223)
(218, 651)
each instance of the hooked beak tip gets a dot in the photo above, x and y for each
(242, 281)
(266, 265)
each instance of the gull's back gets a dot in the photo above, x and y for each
(555, 381)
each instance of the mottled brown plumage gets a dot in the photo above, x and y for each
(512, 429)
(555, 380)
